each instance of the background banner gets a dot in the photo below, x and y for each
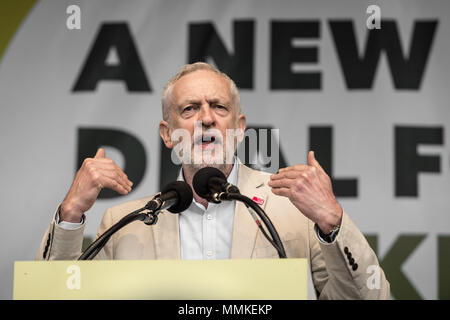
(365, 84)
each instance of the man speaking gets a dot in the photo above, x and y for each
(204, 105)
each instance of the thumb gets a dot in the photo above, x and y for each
(100, 153)
(313, 162)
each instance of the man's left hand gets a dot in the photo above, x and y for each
(309, 188)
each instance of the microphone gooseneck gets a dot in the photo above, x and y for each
(211, 184)
(175, 197)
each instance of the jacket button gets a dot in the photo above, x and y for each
(349, 255)
(346, 250)
(351, 261)
(355, 266)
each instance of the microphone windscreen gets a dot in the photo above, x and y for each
(184, 193)
(201, 181)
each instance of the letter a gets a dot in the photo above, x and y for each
(74, 281)
(373, 21)
(74, 20)
(373, 282)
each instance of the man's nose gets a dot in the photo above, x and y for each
(207, 116)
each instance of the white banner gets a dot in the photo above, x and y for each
(373, 104)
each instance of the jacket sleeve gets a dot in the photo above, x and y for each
(346, 268)
(62, 244)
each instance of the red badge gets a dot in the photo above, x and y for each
(258, 200)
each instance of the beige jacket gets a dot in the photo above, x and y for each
(332, 275)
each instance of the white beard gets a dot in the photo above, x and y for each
(212, 156)
(218, 153)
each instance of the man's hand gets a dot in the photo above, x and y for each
(309, 188)
(94, 175)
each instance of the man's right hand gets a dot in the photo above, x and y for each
(94, 175)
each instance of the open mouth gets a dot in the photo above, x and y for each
(208, 140)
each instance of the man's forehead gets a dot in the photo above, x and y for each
(200, 85)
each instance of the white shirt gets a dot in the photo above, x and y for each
(208, 233)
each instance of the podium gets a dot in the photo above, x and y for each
(257, 279)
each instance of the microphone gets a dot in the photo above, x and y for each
(211, 184)
(209, 181)
(175, 197)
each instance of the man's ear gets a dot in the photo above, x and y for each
(165, 132)
(242, 124)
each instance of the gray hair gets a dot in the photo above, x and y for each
(189, 68)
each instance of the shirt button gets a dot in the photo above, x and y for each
(209, 253)
(209, 217)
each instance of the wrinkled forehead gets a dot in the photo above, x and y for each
(199, 86)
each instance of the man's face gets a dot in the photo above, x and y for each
(202, 106)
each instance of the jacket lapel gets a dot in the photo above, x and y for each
(245, 230)
(167, 236)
